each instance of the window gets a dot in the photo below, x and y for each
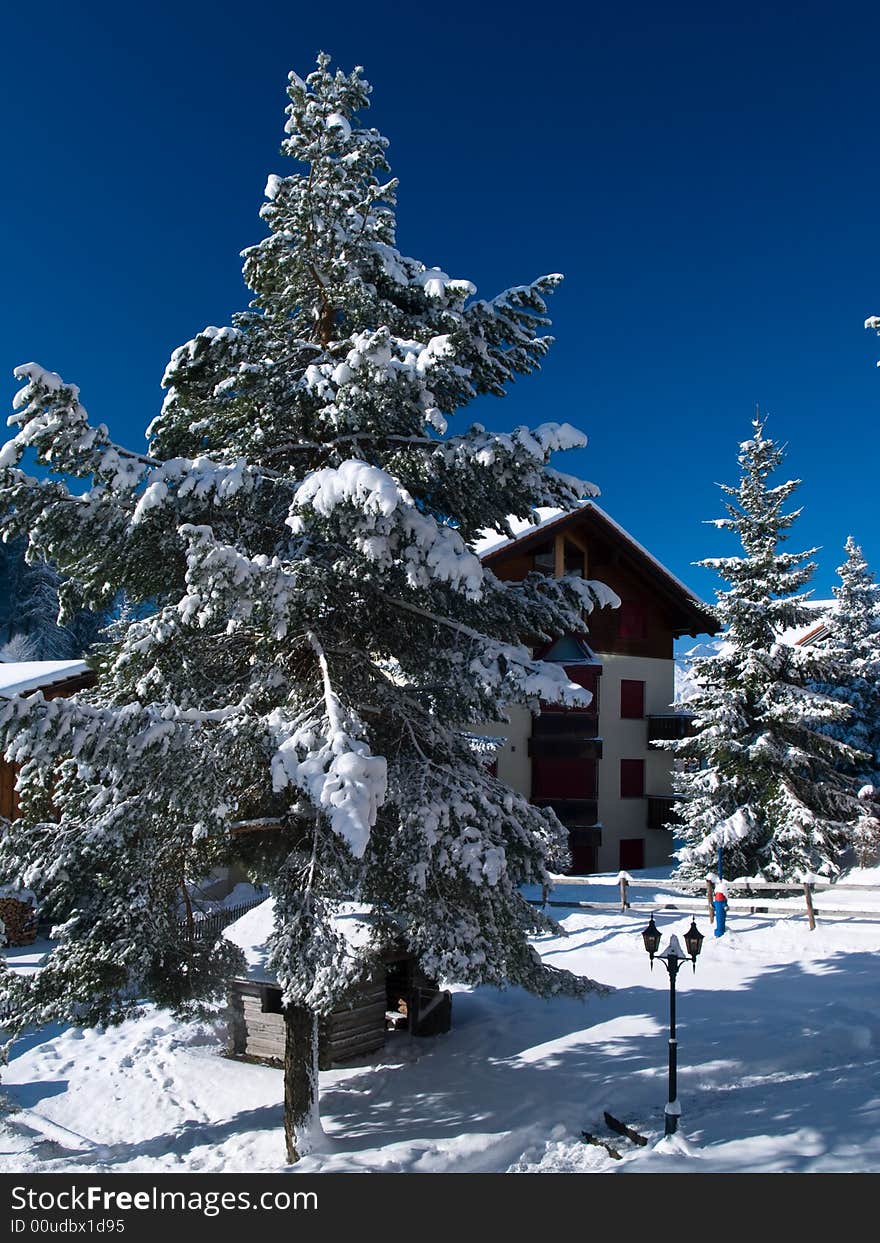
(563, 778)
(270, 1000)
(632, 853)
(632, 699)
(632, 778)
(574, 559)
(544, 559)
(633, 624)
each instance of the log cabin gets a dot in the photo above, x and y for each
(392, 994)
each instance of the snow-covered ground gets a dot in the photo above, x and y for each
(779, 1069)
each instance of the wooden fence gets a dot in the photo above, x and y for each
(208, 927)
(688, 898)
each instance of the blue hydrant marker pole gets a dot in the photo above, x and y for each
(720, 904)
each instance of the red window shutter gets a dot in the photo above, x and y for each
(558, 778)
(586, 676)
(632, 778)
(632, 620)
(632, 699)
(8, 795)
(632, 853)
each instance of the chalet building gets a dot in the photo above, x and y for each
(598, 767)
(54, 678)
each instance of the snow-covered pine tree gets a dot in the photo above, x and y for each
(866, 835)
(853, 642)
(29, 627)
(764, 780)
(322, 636)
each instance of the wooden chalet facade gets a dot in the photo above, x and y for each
(598, 767)
(53, 678)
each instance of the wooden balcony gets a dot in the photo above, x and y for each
(569, 724)
(660, 813)
(669, 726)
(564, 747)
(585, 835)
(573, 812)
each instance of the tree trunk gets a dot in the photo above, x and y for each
(300, 1080)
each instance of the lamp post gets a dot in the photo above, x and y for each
(673, 957)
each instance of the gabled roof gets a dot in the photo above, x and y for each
(804, 636)
(19, 676)
(590, 517)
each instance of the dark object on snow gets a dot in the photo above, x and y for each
(601, 1143)
(396, 994)
(614, 1124)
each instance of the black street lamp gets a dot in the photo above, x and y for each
(673, 957)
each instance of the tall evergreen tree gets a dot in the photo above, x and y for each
(321, 635)
(853, 640)
(763, 779)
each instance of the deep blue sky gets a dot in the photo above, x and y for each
(707, 180)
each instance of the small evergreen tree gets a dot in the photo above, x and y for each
(321, 634)
(765, 781)
(866, 836)
(853, 640)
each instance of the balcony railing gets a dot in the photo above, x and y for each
(574, 812)
(666, 727)
(562, 747)
(570, 724)
(660, 813)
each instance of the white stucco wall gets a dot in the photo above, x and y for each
(628, 739)
(621, 739)
(514, 765)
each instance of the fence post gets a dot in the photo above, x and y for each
(545, 894)
(623, 887)
(808, 894)
(710, 895)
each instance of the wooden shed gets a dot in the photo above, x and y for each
(395, 995)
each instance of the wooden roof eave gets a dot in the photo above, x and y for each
(689, 617)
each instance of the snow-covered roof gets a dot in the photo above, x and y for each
(353, 921)
(18, 676)
(649, 555)
(490, 542)
(815, 629)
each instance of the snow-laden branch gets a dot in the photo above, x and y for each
(331, 764)
(496, 663)
(388, 516)
(51, 418)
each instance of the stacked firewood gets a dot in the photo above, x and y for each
(20, 920)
